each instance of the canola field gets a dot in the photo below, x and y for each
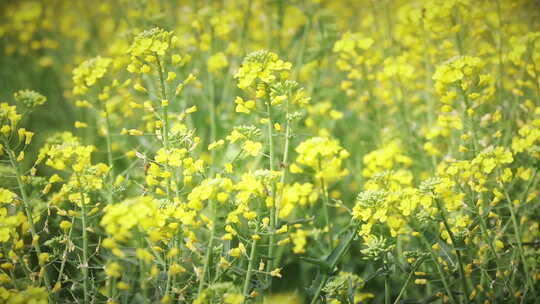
(269, 151)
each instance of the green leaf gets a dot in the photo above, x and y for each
(322, 264)
(336, 254)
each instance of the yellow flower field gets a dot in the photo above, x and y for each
(269, 151)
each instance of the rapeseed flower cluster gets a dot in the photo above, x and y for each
(147, 47)
(88, 73)
(259, 69)
(323, 156)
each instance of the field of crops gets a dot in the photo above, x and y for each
(269, 151)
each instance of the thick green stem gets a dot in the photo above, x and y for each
(285, 160)
(84, 266)
(326, 203)
(271, 239)
(207, 259)
(387, 287)
(284, 169)
(270, 126)
(249, 271)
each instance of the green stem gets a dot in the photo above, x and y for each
(386, 286)
(457, 251)
(439, 270)
(327, 212)
(29, 216)
(409, 277)
(208, 255)
(249, 272)
(285, 159)
(65, 254)
(109, 156)
(213, 127)
(143, 279)
(164, 109)
(272, 263)
(84, 265)
(517, 236)
(319, 289)
(488, 240)
(169, 280)
(270, 126)
(207, 259)
(470, 120)
(165, 114)
(271, 239)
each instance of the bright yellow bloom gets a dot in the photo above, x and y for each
(6, 196)
(88, 73)
(260, 65)
(252, 148)
(325, 156)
